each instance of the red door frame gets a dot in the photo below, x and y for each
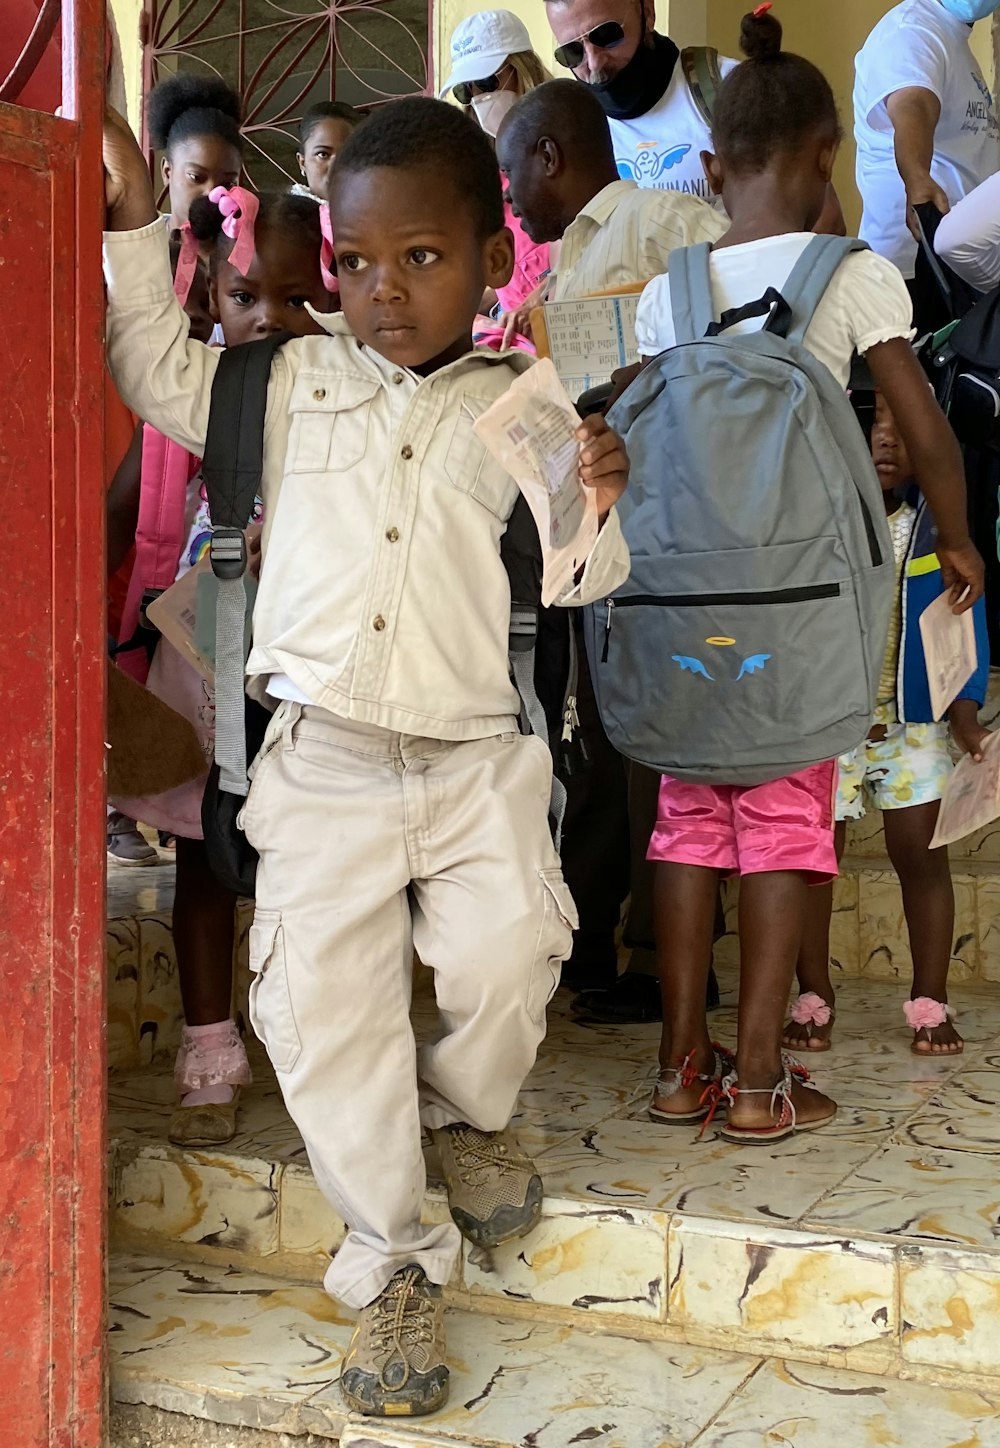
(52, 660)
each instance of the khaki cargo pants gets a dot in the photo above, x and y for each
(373, 843)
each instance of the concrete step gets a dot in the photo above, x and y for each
(261, 1358)
(874, 1244)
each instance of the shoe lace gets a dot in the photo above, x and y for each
(476, 1151)
(401, 1321)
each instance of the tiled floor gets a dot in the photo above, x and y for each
(915, 1150)
(240, 1349)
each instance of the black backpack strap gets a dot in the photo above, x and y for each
(703, 74)
(521, 553)
(231, 470)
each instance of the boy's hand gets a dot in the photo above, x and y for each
(128, 190)
(962, 569)
(966, 730)
(603, 463)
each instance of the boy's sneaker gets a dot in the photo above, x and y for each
(395, 1364)
(494, 1190)
(126, 846)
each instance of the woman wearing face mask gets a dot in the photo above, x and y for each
(492, 66)
(923, 119)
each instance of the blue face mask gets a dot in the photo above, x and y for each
(970, 10)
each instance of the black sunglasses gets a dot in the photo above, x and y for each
(602, 37)
(463, 91)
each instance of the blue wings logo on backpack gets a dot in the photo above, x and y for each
(752, 664)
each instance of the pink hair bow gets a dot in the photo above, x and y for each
(326, 250)
(187, 264)
(239, 209)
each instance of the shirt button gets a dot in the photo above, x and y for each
(407, 453)
(378, 623)
(397, 377)
(319, 394)
(393, 535)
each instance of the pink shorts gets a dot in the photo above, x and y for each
(786, 824)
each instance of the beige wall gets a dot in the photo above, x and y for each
(831, 35)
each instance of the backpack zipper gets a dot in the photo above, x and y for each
(715, 600)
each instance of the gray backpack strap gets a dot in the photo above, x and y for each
(231, 471)
(691, 292)
(523, 632)
(811, 275)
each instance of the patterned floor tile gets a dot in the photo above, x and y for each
(812, 1407)
(228, 1346)
(905, 1190)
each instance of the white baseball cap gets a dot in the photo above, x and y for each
(480, 46)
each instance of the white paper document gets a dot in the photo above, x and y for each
(531, 431)
(971, 797)
(950, 650)
(591, 338)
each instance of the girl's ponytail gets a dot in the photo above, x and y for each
(760, 34)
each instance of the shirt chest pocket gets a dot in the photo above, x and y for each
(470, 468)
(331, 422)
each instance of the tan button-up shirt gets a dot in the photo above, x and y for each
(382, 595)
(626, 234)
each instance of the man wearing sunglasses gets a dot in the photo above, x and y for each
(657, 102)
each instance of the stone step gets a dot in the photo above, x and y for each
(874, 1244)
(261, 1357)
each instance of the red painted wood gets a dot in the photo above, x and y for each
(52, 1064)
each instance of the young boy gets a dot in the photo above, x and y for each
(901, 769)
(394, 803)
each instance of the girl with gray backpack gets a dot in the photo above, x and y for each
(743, 653)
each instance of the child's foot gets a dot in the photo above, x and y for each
(770, 1113)
(682, 1093)
(810, 1026)
(494, 1190)
(395, 1365)
(931, 1024)
(211, 1067)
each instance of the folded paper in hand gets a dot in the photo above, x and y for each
(971, 797)
(531, 431)
(949, 641)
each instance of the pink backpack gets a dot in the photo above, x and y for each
(167, 469)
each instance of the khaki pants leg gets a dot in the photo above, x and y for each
(346, 818)
(492, 917)
(331, 950)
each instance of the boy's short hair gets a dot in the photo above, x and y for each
(418, 131)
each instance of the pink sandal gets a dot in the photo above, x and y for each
(678, 1078)
(923, 1016)
(812, 1010)
(211, 1068)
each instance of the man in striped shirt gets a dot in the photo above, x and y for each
(555, 150)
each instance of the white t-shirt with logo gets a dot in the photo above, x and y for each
(919, 43)
(865, 303)
(663, 148)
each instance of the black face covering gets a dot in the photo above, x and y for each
(640, 84)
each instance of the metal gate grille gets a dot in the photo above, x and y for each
(284, 57)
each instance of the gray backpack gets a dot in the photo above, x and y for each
(748, 640)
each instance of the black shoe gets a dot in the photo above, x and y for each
(633, 1000)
